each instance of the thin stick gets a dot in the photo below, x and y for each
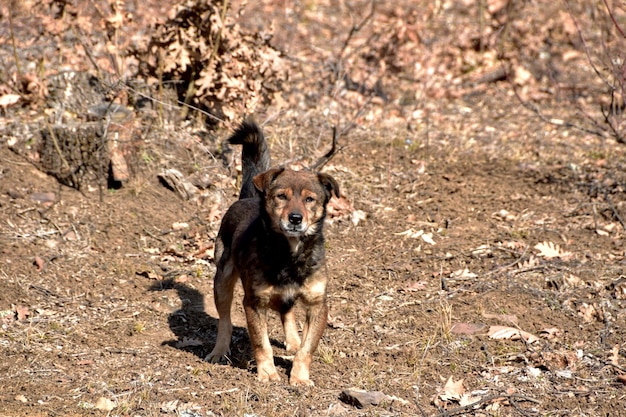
(329, 155)
(17, 61)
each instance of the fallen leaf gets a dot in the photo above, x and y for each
(188, 341)
(453, 390)
(463, 274)
(428, 238)
(21, 399)
(531, 262)
(588, 312)
(104, 404)
(410, 233)
(22, 312)
(169, 406)
(551, 250)
(467, 399)
(7, 100)
(40, 263)
(615, 355)
(415, 286)
(339, 207)
(357, 216)
(180, 226)
(505, 332)
(551, 333)
(467, 328)
(147, 274)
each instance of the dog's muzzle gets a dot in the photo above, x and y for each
(294, 225)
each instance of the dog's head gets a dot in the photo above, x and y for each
(296, 200)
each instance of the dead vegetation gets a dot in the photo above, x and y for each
(476, 258)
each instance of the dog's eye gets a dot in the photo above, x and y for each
(309, 199)
(281, 196)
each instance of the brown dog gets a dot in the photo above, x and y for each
(272, 239)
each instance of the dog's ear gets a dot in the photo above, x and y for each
(263, 181)
(330, 185)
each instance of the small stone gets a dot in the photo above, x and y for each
(360, 398)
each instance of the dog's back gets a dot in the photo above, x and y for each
(255, 155)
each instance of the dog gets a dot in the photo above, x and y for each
(272, 239)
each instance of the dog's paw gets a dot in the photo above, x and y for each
(218, 357)
(267, 373)
(292, 345)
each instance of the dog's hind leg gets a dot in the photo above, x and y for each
(224, 286)
(292, 339)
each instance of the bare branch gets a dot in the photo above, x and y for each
(357, 27)
(608, 9)
(329, 155)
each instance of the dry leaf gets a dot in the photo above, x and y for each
(357, 216)
(104, 404)
(467, 399)
(505, 332)
(7, 100)
(40, 263)
(467, 328)
(615, 355)
(22, 312)
(188, 341)
(588, 312)
(415, 286)
(531, 262)
(428, 238)
(453, 390)
(463, 274)
(551, 333)
(551, 250)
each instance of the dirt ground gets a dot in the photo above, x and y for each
(466, 212)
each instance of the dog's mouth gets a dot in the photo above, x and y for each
(293, 230)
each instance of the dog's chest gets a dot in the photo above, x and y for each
(282, 297)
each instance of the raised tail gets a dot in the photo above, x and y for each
(255, 155)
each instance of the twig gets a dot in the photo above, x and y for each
(587, 48)
(619, 29)
(531, 268)
(355, 29)
(507, 266)
(615, 212)
(606, 113)
(79, 37)
(553, 122)
(17, 61)
(181, 103)
(329, 155)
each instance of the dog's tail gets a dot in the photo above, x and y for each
(255, 155)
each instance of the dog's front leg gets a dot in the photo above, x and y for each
(316, 318)
(259, 339)
(292, 340)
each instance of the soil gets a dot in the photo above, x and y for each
(477, 214)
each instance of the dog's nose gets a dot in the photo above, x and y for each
(295, 218)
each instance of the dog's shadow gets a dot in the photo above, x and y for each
(196, 330)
